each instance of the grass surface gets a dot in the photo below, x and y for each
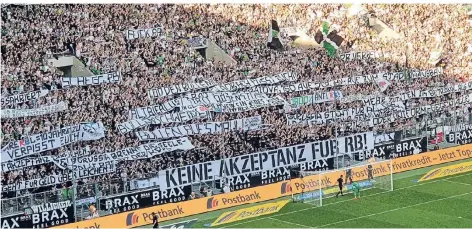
(443, 202)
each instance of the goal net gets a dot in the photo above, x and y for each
(316, 187)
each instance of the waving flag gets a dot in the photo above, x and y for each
(382, 83)
(329, 39)
(273, 40)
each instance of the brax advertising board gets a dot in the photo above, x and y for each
(141, 217)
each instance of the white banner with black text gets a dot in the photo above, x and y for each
(194, 100)
(179, 89)
(22, 98)
(244, 124)
(43, 110)
(261, 161)
(354, 80)
(240, 84)
(112, 77)
(38, 143)
(179, 117)
(132, 34)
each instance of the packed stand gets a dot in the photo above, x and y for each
(32, 32)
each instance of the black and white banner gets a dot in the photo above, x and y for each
(261, 161)
(112, 77)
(25, 163)
(43, 110)
(461, 137)
(376, 114)
(144, 199)
(132, 34)
(184, 116)
(193, 101)
(366, 55)
(41, 216)
(323, 117)
(354, 80)
(52, 214)
(84, 172)
(144, 151)
(416, 94)
(212, 100)
(197, 42)
(154, 110)
(358, 97)
(241, 84)
(244, 124)
(38, 143)
(19, 220)
(393, 149)
(179, 89)
(247, 105)
(39, 160)
(277, 89)
(269, 176)
(22, 98)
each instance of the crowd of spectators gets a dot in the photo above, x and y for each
(31, 33)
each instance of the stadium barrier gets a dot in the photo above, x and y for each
(141, 217)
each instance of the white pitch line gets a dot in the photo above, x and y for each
(283, 221)
(455, 182)
(339, 202)
(396, 209)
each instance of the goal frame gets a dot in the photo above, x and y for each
(376, 166)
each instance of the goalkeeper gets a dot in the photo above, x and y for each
(356, 189)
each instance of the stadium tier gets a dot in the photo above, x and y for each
(110, 113)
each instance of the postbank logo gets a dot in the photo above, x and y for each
(285, 187)
(131, 219)
(212, 202)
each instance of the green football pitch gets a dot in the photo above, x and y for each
(443, 202)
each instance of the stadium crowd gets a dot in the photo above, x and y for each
(32, 33)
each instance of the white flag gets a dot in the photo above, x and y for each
(382, 83)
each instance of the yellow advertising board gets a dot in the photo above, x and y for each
(447, 171)
(170, 211)
(251, 212)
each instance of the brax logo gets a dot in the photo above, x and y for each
(121, 201)
(145, 195)
(285, 187)
(10, 222)
(131, 219)
(211, 203)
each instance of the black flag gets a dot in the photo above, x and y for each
(273, 40)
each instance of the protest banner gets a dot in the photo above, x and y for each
(22, 98)
(43, 110)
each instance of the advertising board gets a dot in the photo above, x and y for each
(267, 192)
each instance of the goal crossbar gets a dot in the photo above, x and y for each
(316, 186)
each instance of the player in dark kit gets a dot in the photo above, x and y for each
(155, 223)
(340, 183)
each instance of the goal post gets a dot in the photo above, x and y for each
(312, 187)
